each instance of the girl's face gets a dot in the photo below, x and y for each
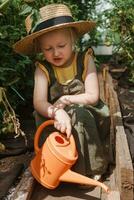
(57, 47)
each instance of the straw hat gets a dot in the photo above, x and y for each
(51, 17)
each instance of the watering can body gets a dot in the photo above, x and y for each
(56, 156)
(53, 161)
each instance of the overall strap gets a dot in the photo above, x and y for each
(80, 62)
(50, 71)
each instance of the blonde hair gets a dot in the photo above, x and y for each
(73, 35)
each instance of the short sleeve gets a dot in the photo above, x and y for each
(89, 53)
(43, 68)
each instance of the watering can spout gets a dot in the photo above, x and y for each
(73, 177)
(54, 160)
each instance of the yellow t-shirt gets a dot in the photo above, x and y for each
(66, 74)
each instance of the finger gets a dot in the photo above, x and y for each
(57, 125)
(63, 128)
(68, 134)
(68, 130)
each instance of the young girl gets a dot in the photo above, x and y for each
(66, 86)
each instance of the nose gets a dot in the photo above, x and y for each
(56, 52)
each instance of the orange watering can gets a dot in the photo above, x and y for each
(53, 161)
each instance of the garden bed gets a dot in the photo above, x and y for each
(125, 96)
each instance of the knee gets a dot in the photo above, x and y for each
(106, 112)
(82, 114)
(79, 109)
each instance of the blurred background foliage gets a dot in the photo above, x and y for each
(119, 25)
(17, 71)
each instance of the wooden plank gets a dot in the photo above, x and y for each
(124, 168)
(112, 127)
(24, 189)
(101, 85)
(113, 185)
(114, 195)
(103, 193)
(105, 95)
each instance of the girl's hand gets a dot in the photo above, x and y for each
(62, 122)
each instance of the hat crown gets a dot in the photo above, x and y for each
(48, 12)
(54, 10)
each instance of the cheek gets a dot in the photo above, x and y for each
(47, 55)
(69, 51)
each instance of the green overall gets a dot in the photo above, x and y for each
(90, 124)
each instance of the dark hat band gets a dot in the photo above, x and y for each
(52, 22)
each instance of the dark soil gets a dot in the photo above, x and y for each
(16, 158)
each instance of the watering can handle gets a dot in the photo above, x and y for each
(38, 133)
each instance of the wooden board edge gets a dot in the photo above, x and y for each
(25, 187)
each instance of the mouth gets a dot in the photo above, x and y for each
(57, 59)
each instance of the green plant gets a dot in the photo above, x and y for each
(16, 72)
(120, 31)
(10, 121)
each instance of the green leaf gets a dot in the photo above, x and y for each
(4, 5)
(26, 9)
(117, 38)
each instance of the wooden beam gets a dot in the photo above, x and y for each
(123, 166)
(25, 187)
(114, 195)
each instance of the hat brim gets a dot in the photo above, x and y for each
(26, 45)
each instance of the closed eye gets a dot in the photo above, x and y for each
(47, 49)
(59, 46)
(62, 45)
